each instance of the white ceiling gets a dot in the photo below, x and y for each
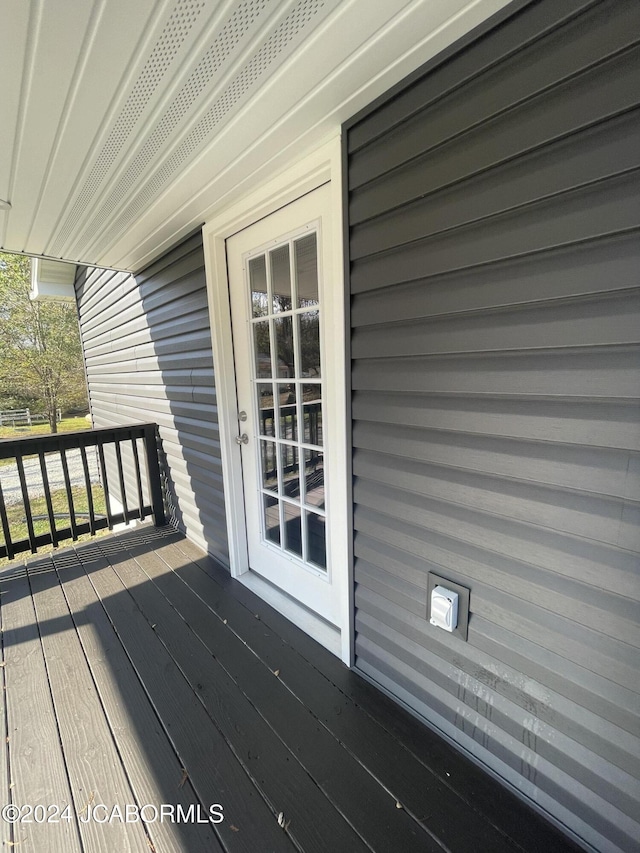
(125, 124)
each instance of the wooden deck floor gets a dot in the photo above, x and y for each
(136, 673)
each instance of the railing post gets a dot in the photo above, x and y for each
(153, 469)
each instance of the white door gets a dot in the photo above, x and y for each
(281, 333)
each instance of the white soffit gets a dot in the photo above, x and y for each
(127, 124)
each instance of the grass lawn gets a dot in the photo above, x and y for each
(66, 425)
(18, 524)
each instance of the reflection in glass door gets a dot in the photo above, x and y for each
(287, 377)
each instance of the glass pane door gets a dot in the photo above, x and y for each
(287, 377)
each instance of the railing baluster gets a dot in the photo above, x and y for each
(67, 485)
(105, 486)
(27, 503)
(87, 483)
(8, 544)
(47, 497)
(123, 488)
(136, 460)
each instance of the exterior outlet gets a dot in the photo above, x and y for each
(448, 605)
(444, 608)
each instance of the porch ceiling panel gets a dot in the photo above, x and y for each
(125, 125)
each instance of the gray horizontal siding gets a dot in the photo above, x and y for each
(494, 225)
(147, 345)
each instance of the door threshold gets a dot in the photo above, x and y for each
(319, 629)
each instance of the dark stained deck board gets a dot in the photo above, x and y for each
(214, 771)
(154, 770)
(95, 772)
(274, 766)
(326, 751)
(174, 665)
(36, 763)
(428, 799)
(488, 800)
(372, 812)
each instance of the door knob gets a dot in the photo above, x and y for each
(242, 439)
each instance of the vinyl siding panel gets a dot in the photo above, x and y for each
(494, 224)
(147, 345)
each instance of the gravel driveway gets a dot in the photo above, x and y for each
(11, 484)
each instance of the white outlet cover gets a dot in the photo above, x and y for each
(444, 608)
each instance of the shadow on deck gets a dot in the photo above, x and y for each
(137, 673)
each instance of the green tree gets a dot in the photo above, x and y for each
(40, 349)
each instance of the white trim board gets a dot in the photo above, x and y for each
(323, 165)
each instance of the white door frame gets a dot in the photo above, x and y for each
(321, 166)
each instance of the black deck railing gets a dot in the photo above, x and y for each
(139, 493)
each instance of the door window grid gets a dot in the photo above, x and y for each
(285, 309)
